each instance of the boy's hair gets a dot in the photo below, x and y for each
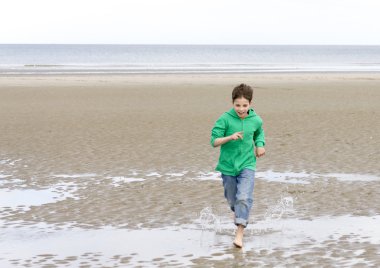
(242, 90)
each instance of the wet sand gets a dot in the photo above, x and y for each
(128, 156)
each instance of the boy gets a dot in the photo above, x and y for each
(241, 137)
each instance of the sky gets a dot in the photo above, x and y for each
(321, 22)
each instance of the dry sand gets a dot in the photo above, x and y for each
(87, 136)
(313, 122)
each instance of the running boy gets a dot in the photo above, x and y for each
(240, 134)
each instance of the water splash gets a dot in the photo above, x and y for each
(273, 222)
(209, 220)
(283, 206)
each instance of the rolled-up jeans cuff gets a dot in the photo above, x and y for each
(241, 221)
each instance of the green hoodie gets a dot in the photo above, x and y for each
(237, 155)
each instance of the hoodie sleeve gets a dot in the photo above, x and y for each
(218, 131)
(259, 137)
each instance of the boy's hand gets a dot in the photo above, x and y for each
(259, 151)
(237, 135)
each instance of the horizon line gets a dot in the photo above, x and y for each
(182, 44)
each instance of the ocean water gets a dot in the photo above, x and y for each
(98, 59)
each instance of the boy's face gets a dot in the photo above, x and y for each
(241, 106)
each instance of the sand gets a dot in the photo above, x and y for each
(131, 153)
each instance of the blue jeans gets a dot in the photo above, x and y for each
(238, 191)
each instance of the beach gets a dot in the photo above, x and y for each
(118, 162)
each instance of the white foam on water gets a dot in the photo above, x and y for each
(297, 177)
(9, 162)
(286, 177)
(119, 180)
(173, 174)
(66, 176)
(10, 182)
(154, 174)
(205, 176)
(353, 177)
(134, 173)
(6, 179)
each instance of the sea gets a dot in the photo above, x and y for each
(166, 59)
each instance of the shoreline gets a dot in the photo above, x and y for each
(259, 73)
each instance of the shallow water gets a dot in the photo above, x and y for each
(77, 220)
(43, 243)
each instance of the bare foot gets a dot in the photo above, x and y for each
(238, 242)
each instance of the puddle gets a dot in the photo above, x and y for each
(177, 245)
(171, 244)
(295, 231)
(25, 198)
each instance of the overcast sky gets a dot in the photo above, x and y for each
(190, 21)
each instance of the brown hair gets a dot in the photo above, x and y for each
(242, 90)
